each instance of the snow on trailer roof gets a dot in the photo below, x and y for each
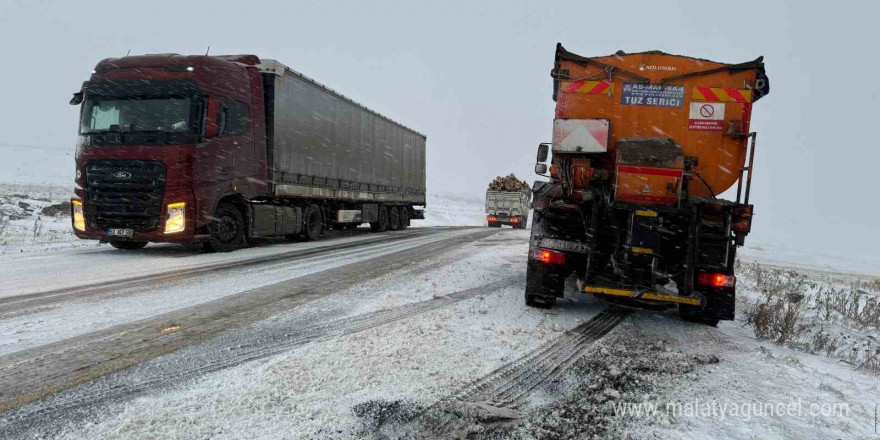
(563, 53)
(278, 68)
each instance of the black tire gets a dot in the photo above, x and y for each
(687, 313)
(404, 217)
(313, 223)
(128, 245)
(522, 222)
(382, 224)
(539, 301)
(227, 230)
(393, 218)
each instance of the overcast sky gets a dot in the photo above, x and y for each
(474, 77)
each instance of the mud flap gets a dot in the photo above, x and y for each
(719, 304)
(546, 280)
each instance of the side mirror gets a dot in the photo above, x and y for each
(541, 168)
(212, 128)
(543, 152)
(77, 98)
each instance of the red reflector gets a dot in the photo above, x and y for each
(547, 256)
(716, 280)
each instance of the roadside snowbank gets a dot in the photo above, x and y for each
(33, 214)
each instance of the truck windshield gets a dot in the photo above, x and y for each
(129, 115)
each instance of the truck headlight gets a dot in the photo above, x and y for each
(79, 220)
(175, 218)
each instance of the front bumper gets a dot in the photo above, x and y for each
(155, 235)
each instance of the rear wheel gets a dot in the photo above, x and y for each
(381, 225)
(227, 230)
(393, 218)
(404, 217)
(314, 223)
(695, 315)
(128, 245)
(540, 301)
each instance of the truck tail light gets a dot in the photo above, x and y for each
(514, 220)
(175, 218)
(491, 218)
(79, 219)
(547, 256)
(716, 280)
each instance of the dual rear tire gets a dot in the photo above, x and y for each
(391, 218)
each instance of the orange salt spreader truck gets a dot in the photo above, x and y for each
(643, 146)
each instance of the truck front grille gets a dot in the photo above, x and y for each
(124, 194)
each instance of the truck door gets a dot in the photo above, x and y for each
(213, 159)
(240, 129)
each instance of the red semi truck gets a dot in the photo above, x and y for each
(219, 149)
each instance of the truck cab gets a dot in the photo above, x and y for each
(162, 140)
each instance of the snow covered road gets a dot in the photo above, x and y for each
(89, 329)
(367, 337)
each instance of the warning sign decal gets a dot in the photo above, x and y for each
(656, 95)
(706, 116)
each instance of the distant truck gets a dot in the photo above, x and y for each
(644, 144)
(220, 149)
(507, 208)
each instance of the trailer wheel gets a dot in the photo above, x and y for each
(382, 224)
(522, 221)
(393, 218)
(404, 217)
(314, 223)
(227, 230)
(128, 245)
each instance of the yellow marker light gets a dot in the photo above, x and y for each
(641, 250)
(79, 219)
(175, 218)
(644, 213)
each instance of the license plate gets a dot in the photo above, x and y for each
(120, 232)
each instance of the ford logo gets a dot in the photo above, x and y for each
(122, 175)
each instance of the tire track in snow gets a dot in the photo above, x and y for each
(127, 386)
(501, 393)
(508, 386)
